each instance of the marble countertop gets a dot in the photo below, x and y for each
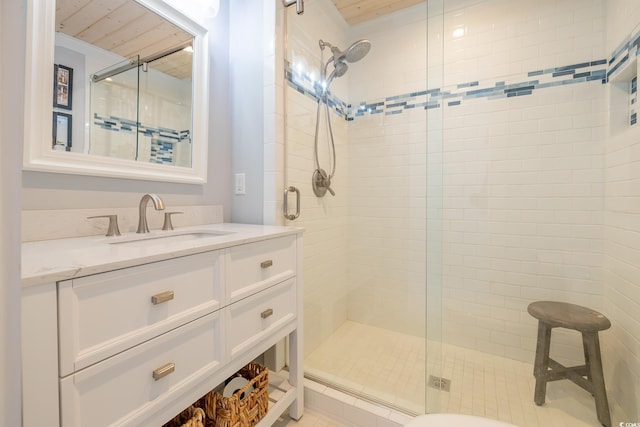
(49, 261)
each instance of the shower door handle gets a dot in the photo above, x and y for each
(285, 204)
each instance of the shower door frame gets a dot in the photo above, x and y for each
(433, 244)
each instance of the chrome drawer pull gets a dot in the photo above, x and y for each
(163, 371)
(266, 264)
(268, 312)
(162, 297)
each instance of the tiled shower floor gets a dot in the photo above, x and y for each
(390, 367)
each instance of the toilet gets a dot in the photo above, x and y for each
(454, 420)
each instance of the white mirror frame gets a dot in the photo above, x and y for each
(38, 153)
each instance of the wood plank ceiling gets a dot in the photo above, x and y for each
(357, 11)
(126, 28)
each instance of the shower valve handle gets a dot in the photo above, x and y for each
(326, 183)
(321, 182)
(328, 186)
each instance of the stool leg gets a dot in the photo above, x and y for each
(541, 365)
(592, 343)
(586, 359)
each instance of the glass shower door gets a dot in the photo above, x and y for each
(365, 254)
(437, 385)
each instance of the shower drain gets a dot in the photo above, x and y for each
(439, 383)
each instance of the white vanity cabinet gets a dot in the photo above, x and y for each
(136, 345)
(104, 314)
(107, 392)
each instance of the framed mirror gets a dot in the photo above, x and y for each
(129, 85)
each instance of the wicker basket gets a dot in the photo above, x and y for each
(190, 417)
(215, 410)
(235, 412)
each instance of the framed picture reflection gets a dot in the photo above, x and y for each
(62, 87)
(61, 131)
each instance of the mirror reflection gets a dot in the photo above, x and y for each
(123, 77)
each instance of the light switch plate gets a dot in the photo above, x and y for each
(240, 184)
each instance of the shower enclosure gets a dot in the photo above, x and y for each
(469, 182)
(365, 241)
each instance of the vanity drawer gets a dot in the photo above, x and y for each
(120, 387)
(256, 317)
(104, 314)
(257, 266)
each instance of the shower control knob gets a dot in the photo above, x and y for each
(327, 184)
(321, 183)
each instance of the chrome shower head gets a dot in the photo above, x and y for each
(353, 53)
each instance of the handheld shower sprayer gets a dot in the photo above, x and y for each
(321, 180)
(339, 70)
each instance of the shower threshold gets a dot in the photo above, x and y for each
(361, 396)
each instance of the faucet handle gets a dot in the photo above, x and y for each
(113, 224)
(167, 225)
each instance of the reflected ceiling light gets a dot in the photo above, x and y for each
(458, 32)
(188, 49)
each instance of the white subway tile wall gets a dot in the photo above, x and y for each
(523, 191)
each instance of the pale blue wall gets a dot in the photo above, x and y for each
(246, 63)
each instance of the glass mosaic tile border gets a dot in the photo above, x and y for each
(162, 139)
(118, 124)
(302, 83)
(633, 100)
(161, 151)
(624, 53)
(599, 70)
(454, 95)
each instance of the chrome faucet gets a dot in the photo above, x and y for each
(158, 204)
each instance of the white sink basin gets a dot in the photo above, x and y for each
(167, 237)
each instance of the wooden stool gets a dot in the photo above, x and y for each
(552, 314)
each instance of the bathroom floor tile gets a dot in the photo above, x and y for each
(391, 367)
